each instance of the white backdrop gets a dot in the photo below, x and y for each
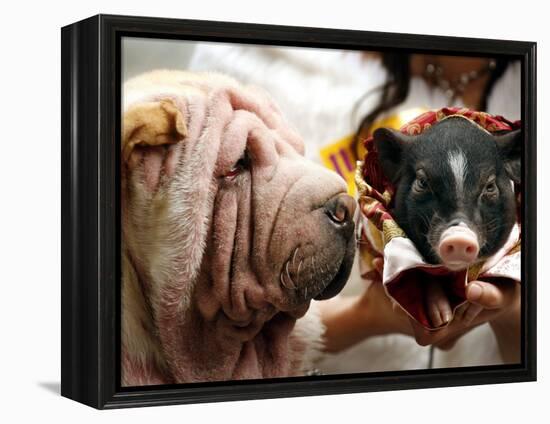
(30, 211)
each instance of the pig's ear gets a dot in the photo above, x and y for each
(390, 145)
(509, 145)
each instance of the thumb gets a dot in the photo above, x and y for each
(487, 295)
(378, 264)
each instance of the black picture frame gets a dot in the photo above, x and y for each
(90, 291)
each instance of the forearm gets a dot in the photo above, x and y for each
(351, 319)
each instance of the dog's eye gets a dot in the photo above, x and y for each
(241, 165)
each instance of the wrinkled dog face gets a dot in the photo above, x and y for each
(282, 229)
(247, 222)
(307, 229)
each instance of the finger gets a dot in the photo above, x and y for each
(488, 295)
(395, 306)
(439, 308)
(422, 336)
(460, 311)
(471, 313)
(435, 316)
(449, 342)
(378, 264)
(425, 337)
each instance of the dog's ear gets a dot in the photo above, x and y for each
(151, 124)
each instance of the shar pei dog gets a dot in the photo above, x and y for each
(228, 233)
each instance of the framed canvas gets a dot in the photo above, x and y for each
(254, 211)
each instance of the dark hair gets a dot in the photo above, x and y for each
(395, 90)
(494, 76)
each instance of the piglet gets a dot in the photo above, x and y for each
(454, 194)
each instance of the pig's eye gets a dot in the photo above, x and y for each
(241, 165)
(491, 188)
(420, 185)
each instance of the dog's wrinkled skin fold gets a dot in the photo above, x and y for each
(228, 233)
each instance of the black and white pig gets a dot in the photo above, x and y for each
(454, 195)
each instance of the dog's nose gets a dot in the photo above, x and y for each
(340, 209)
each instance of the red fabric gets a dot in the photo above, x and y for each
(409, 290)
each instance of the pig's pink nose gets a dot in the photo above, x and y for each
(458, 247)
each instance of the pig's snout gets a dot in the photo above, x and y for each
(458, 247)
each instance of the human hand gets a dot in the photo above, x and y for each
(496, 302)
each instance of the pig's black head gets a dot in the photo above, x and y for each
(454, 196)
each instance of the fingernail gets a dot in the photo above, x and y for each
(447, 316)
(474, 291)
